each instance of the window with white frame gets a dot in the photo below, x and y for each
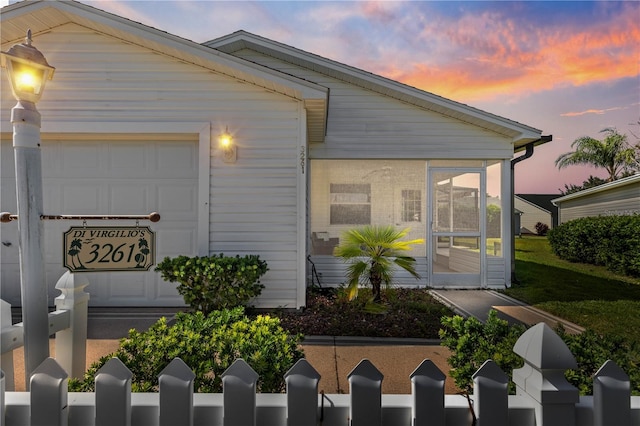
(411, 205)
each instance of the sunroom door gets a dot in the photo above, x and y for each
(456, 235)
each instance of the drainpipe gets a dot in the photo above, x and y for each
(528, 153)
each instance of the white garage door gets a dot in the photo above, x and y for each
(135, 175)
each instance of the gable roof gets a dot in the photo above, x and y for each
(42, 16)
(520, 134)
(542, 201)
(635, 179)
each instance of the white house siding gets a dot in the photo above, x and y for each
(363, 124)
(618, 200)
(532, 214)
(102, 83)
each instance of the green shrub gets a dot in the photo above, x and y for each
(542, 228)
(591, 350)
(611, 241)
(208, 345)
(216, 282)
(472, 343)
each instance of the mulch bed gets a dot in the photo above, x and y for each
(406, 313)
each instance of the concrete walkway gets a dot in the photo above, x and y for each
(478, 303)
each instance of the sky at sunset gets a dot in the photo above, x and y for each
(569, 69)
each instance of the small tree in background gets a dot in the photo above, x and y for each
(372, 253)
(542, 228)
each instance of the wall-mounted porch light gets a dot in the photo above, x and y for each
(229, 150)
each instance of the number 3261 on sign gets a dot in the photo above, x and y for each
(108, 249)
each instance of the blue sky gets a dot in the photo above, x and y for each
(567, 68)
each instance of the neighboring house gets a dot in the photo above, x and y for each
(131, 122)
(536, 208)
(620, 197)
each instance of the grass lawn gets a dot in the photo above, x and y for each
(587, 295)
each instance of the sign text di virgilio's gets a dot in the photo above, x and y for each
(121, 248)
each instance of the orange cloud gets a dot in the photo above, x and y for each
(488, 55)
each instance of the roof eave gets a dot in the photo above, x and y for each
(47, 15)
(519, 133)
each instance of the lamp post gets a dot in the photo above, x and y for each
(28, 72)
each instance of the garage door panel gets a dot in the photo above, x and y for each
(126, 285)
(174, 161)
(178, 201)
(78, 159)
(129, 198)
(81, 198)
(130, 158)
(175, 242)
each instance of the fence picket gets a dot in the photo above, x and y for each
(365, 383)
(49, 385)
(113, 394)
(427, 388)
(302, 394)
(176, 394)
(239, 390)
(611, 396)
(491, 394)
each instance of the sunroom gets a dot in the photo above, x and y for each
(455, 206)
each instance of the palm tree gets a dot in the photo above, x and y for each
(74, 251)
(613, 153)
(372, 252)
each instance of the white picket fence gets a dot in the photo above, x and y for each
(68, 322)
(544, 397)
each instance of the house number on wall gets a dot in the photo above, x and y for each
(108, 249)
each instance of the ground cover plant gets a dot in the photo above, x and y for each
(402, 313)
(588, 295)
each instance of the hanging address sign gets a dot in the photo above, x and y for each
(108, 248)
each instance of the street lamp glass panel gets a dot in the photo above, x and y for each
(27, 69)
(27, 79)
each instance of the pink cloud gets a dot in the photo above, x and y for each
(590, 111)
(480, 57)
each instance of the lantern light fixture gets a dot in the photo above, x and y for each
(229, 150)
(28, 70)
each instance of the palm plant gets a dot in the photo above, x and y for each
(372, 253)
(613, 153)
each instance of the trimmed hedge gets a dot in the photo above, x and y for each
(472, 343)
(611, 241)
(215, 282)
(208, 345)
